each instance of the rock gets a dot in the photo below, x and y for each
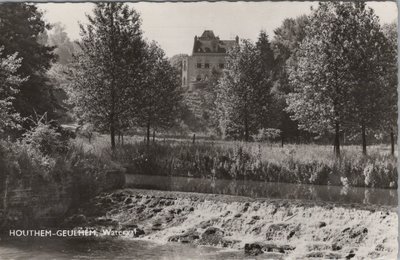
(253, 249)
(336, 247)
(291, 234)
(278, 248)
(276, 230)
(333, 256)
(353, 235)
(238, 215)
(154, 203)
(212, 236)
(157, 210)
(169, 202)
(259, 248)
(128, 201)
(187, 237)
(379, 247)
(321, 224)
(316, 254)
(206, 224)
(138, 232)
(350, 255)
(229, 243)
(140, 209)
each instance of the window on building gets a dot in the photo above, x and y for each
(198, 65)
(184, 81)
(207, 65)
(221, 65)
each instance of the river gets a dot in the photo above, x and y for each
(256, 189)
(108, 248)
(117, 248)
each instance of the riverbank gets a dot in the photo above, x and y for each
(301, 164)
(273, 228)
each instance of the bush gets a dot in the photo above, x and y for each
(46, 139)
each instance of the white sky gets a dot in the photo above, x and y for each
(174, 25)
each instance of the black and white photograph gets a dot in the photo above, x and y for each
(198, 130)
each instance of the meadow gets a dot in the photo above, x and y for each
(293, 163)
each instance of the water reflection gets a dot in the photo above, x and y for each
(257, 189)
(63, 249)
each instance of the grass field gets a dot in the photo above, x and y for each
(305, 163)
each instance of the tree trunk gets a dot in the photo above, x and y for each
(282, 139)
(148, 133)
(364, 140)
(337, 140)
(154, 136)
(194, 138)
(391, 142)
(112, 135)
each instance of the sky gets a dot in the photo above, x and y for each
(174, 25)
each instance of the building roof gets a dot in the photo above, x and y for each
(209, 43)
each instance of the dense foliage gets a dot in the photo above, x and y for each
(244, 97)
(10, 83)
(21, 27)
(338, 79)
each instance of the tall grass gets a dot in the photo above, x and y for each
(308, 164)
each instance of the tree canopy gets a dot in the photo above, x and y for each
(336, 78)
(20, 29)
(108, 67)
(244, 96)
(10, 83)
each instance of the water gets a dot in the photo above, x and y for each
(115, 248)
(110, 248)
(257, 189)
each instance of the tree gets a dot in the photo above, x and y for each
(318, 101)
(267, 66)
(331, 86)
(21, 26)
(390, 112)
(64, 47)
(176, 62)
(10, 82)
(108, 69)
(244, 97)
(368, 50)
(160, 95)
(287, 39)
(58, 73)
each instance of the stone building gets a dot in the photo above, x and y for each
(209, 53)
